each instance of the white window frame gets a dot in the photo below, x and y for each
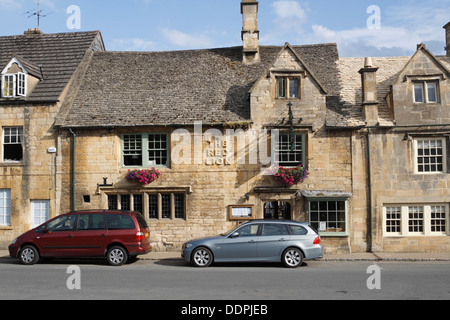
(406, 209)
(416, 155)
(21, 84)
(40, 212)
(5, 207)
(6, 78)
(19, 134)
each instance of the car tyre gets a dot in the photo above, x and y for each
(202, 257)
(117, 256)
(292, 258)
(29, 255)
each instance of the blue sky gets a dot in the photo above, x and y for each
(393, 29)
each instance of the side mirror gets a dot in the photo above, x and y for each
(234, 235)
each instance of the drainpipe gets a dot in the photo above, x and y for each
(73, 167)
(369, 210)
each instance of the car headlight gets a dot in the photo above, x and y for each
(187, 245)
(14, 241)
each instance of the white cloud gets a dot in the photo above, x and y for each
(290, 17)
(285, 9)
(185, 40)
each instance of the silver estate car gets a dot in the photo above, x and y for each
(285, 241)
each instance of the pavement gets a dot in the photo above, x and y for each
(364, 256)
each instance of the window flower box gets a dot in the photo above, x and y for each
(289, 176)
(143, 176)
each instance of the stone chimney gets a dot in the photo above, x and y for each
(250, 32)
(369, 92)
(34, 31)
(447, 38)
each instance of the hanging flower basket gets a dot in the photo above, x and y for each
(143, 176)
(289, 176)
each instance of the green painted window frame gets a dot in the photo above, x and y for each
(145, 150)
(344, 233)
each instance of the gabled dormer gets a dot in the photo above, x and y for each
(19, 77)
(420, 91)
(289, 83)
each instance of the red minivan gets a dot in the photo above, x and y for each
(120, 236)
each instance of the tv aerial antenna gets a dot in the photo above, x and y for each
(37, 13)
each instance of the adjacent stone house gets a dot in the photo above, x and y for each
(36, 74)
(217, 123)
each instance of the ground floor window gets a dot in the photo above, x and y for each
(40, 212)
(415, 220)
(5, 207)
(156, 205)
(329, 217)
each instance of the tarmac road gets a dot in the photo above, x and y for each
(173, 279)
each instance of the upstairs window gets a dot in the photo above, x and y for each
(288, 87)
(12, 144)
(14, 85)
(145, 150)
(426, 92)
(285, 155)
(430, 155)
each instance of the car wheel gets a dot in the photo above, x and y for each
(202, 257)
(117, 256)
(29, 255)
(292, 258)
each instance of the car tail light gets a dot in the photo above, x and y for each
(316, 240)
(140, 236)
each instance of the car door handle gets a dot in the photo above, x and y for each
(103, 236)
(252, 241)
(282, 239)
(69, 236)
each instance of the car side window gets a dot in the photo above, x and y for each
(91, 222)
(249, 231)
(298, 230)
(65, 223)
(119, 222)
(274, 230)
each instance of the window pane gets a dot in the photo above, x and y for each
(281, 87)
(285, 156)
(179, 206)
(132, 150)
(12, 144)
(327, 216)
(137, 203)
(418, 92)
(165, 203)
(158, 149)
(293, 88)
(153, 206)
(438, 219)
(112, 202)
(5, 207)
(430, 155)
(432, 92)
(415, 219)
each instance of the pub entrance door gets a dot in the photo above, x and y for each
(277, 210)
